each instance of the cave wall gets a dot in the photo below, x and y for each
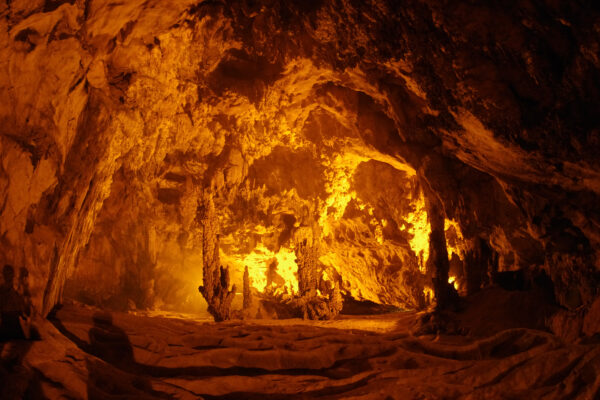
(116, 117)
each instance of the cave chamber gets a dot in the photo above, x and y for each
(269, 199)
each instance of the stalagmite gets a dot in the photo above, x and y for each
(445, 294)
(336, 302)
(247, 301)
(216, 277)
(307, 269)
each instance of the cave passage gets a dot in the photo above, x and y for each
(265, 199)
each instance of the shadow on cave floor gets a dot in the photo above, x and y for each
(122, 355)
(15, 381)
(110, 344)
(487, 312)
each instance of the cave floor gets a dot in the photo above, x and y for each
(86, 353)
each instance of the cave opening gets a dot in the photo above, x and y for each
(270, 199)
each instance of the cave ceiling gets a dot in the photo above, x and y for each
(326, 118)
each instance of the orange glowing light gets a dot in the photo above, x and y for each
(420, 230)
(340, 170)
(428, 293)
(453, 282)
(258, 261)
(379, 234)
(455, 242)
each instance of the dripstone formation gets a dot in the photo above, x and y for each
(216, 277)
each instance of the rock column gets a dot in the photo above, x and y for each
(215, 277)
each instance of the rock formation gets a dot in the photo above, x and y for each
(307, 255)
(215, 277)
(115, 118)
(247, 301)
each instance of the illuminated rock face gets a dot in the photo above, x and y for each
(117, 119)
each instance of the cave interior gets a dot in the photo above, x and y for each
(264, 199)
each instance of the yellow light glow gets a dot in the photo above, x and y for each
(339, 176)
(453, 282)
(455, 243)
(258, 261)
(287, 268)
(420, 230)
(379, 234)
(428, 293)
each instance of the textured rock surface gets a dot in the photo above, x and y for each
(215, 287)
(115, 117)
(186, 359)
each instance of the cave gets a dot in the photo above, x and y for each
(268, 199)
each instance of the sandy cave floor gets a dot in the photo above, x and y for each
(87, 353)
